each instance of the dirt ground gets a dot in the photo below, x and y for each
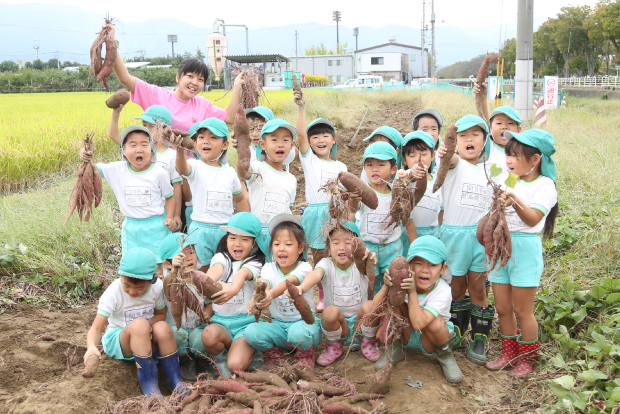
(38, 376)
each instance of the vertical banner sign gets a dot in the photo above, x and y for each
(550, 91)
(216, 50)
(492, 86)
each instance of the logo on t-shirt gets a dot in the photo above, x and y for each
(146, 312)
(473, 196)
(138, 196)
(347, 296)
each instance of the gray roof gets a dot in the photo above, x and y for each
(390, 44)
(257, 58)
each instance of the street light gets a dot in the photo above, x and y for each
(337, 16)
(172, 39)
(356, 32)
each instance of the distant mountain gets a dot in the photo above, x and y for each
(70, 30)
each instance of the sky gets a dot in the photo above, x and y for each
(361, 13)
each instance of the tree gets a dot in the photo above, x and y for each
(9, 66)
(608, 16)
(314, 50)
(38, 65)
(199, 54)
(509, 53)
(52, 64)
(28, 65)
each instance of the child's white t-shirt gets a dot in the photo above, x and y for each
(346, 289)
(373, 224)
(437, 301)
(213, 189)
(426, 212)
(539, 194)
(282, 307)
(167, 160)
(237, 304)
(271, 193)
(317, 172)
(119, 308)
(497, 159)
(140, 194)
(464, 194)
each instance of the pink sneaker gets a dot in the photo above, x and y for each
(370, 349)
(307, 357)
(333, 351)
(321, 304)
(274, 356)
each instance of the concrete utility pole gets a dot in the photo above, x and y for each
(356, 32)
(525, 58)
(433, 66)
(423, 33)
(36, 47)
(296, 58)
(337, 16)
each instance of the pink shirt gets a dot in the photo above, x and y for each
(184, 113)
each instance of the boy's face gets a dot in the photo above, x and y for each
(210, 146)
(190, 84)
(429, 125)
(239, 247)
(470, 143)
(379, 171)
(413, 156)
(191, 259)
(322, 144)
(277, 144)
(501, 123)
(426, 273)
(137, 148)
(341, 247)
(382, 138)
(134, 289)
(285, 248)
(255, 125)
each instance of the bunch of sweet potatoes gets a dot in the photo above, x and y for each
(493, 233)
(99, 67)
(88, 188)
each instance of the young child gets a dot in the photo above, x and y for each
(187, 193)
(257, 118)
(383, 240)
(238, 262)
(287, 330)
(427, 310)
(272, 189)
(514, 286)
(144, 193)
(165, 156)
(465, 199)
(188, 336)
(429, 121)
(134, 309)
(384, 134)
(346, 290)
(214, 187)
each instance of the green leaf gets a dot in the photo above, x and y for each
(565, 381)
(557, 390)
(479, 399)
(593, 348)
(23, 249)
(591, 376)
(511, 181)
(612, 298)
(597, 292)
(579, 315)
(558, 361)
(614, 394)
(495, 170)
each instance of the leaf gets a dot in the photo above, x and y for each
(22, 248)
(593, 348)
(558, 361)
(479, 399)
(495, 170)
(557, 390)
(511, 181)
(612, 298)
(565, 381)
(597, 292)
(579, 315)
(591, 376)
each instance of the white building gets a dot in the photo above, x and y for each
(336, 68)
(393, 59)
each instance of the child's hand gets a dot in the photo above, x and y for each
(355, 196)
(441, 151)
(408, 285)
(178, 222)
(86, 156)
(118, 109)
(507, 198)
(233, 143)
(265, 303)
(400, 174)
(239, 81)
(251, 307)
(299, 99)
(299, 289)
(418, 173)
(480, 88)
(91, 351)
(208, 312)
(170, 224)
(176, 140)
(227, 293)
(370, 256)
(178, 260)
(387, 280)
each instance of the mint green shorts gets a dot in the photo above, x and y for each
(188, 216)
(148, 233)
(267, 239)
(525, 267)
(207, 237)
(464, 251)
(427, 231)
(284, 334)
(385, 254)
(313, 222)
(404, 240)
(234, 324)
(351, 323)
(415, 340)
(111, 342)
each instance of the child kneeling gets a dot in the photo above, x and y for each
(133, 305)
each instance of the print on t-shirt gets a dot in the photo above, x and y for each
(275, 203)
(347, 296)
(219, 201)
(473, 196)
(429, 203)
(285, 306)
(138, 196)
(377, 224)
(146, 312)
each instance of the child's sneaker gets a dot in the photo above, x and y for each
(370, 349)
(307, 357)
(333, 351)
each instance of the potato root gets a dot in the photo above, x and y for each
(300, 302)
(120, 97)
(91, 366)
(242, 135)
(265, 377)
(444, 166)
(399, 271)
(320, 388)
(381, 381)
(354, 184)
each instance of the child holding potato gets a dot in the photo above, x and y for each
(384, 134)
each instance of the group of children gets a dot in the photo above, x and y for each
(263, 243)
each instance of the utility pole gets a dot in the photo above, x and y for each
(525, 54)
(296, 59)
(423, 33)
(337, 16)
(57, 60)
(172, 39)
(356, 32)
(433, 66)
(36, 47)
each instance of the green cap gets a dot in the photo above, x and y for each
(138, 262)
(262, 111)
(507, 110)
(171, 245)
(429, 248)
(380, 151)
(248, 225)
(217, 126)
(156, 113)
(134, 128)
(272, 126)
(353, 227)
(422, 136)
(282, 218)
(193, 129)
(470, 121)
(432, 112)
(544, 141)
(329, 124)
(349, 225)
(387, 131)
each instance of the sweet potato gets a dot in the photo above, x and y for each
(109, 61)
(88, 186)
(226, 386)
(359, 250)
(304, 372)
(258, 408)
(91, 366)
(280, 392)
(354, 184)
(187, 143)
(296, 85)
(120, 97)
(246, 397)
(483, 72)
(242, 135)
(237, 411)
(192, 303)
(399, 271)
(266, 377)
(402, 201)
(205, 286)
(342, 408)
(320, 388)
(480, 229)
(300, 302)
(444, 166)
(420, 186)
(355, 398)
(381, 381)
(176, 298)
(259, 295)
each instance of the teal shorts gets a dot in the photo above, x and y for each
(234, 324)
(313, 222)
(415, 340)
(525, 267)
(351, 323)
(148, 233)
(385, 254)
(427, 231)
(188, 216)
(207, 237)
(404, 240)
(267, 239)
(111, 342)
(464, 251)
(284, 334)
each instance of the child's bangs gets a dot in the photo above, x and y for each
(415, 145)
(194, 66)
(297, 232)
(515, 148)
(320, 129)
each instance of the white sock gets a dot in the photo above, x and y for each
(332, 336)
(369, 331)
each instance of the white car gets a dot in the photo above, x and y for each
(363, 81)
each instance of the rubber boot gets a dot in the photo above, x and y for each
(204, 365)
(481, 322)
(321, 305)
(395, 352)
(370, 349)
(460, 310)
(147, 374)
(450, 368)
(333, 351)
(307, 357)
(528, 352)
(170, 366)
(188, 368)
(510, 354)
(274, 356)
(221, 361)
(257, 361)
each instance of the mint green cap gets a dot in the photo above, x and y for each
(422, 136)
(429, 248)
(333, 225)
(262, 111)
(156, 113)
(194, 129)
(470, 121)
(544, 141)
(329, 124)
(353, 227)
(388, 131)
(380, 151)
(248, 225)
(271, 126)
(217, 126)
(507, 110)
(138, 262)
(171, 245)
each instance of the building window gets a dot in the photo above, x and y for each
(376, 61)
(340, 78)
(334, 62)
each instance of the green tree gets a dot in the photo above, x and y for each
(314, 50)
(509, 53)
(9, 66)
(52, 64)
(38, 65)
(608, 16)
(200, 55)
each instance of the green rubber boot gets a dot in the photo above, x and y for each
(450, 368)
(395, 352)
(188, 368)
(460, 310)
(481, 323)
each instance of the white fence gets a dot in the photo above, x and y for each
(567, 82)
